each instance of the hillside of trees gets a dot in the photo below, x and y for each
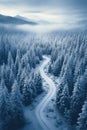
(20, 83)
(69, 62)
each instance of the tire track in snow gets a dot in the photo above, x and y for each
(39, 111)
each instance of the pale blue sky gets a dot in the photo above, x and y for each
(60, 12)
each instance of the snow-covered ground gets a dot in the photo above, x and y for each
(42, 113)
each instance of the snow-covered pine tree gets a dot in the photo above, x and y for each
(10, 59)
(65, 99)
(32, 86)
(3, 68)
(82, 120)
(77, 99)
(22, 79)
(80, 68)
(5, 106)
(16, 99)
(24, 61)
(2, 50)
(5, 75)
(38, 82)
(58, 65)
(59, 92)
(11, 79)
(28, 68)
(17, 62)
(19, 74)
(69, 73)
(27, 92)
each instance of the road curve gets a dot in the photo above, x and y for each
(39, 111)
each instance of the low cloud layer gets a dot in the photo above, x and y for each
(54, 11)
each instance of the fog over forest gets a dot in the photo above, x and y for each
(43, 65)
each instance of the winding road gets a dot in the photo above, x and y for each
(39, 111)
(36, 113)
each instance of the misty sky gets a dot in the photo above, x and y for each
(60, 12)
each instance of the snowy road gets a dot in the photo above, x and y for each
(39, 111)
(36, 113)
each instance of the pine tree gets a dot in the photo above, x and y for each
(38, 82)
(28, 68)
(32, 86)
(24, 61)
(2, 50)
(20, 69)
(27, 92)
(11, 79)
(16, 99)
(13, 70)
(82, 120)
(10, 59)
(3, 68)
(80, 68)
(22, 79)
(65, 99)
(77, 99)
(59, 92)
(57, 66)
(31, 55)
(17, 62)
(69, 74)
(5, 106)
